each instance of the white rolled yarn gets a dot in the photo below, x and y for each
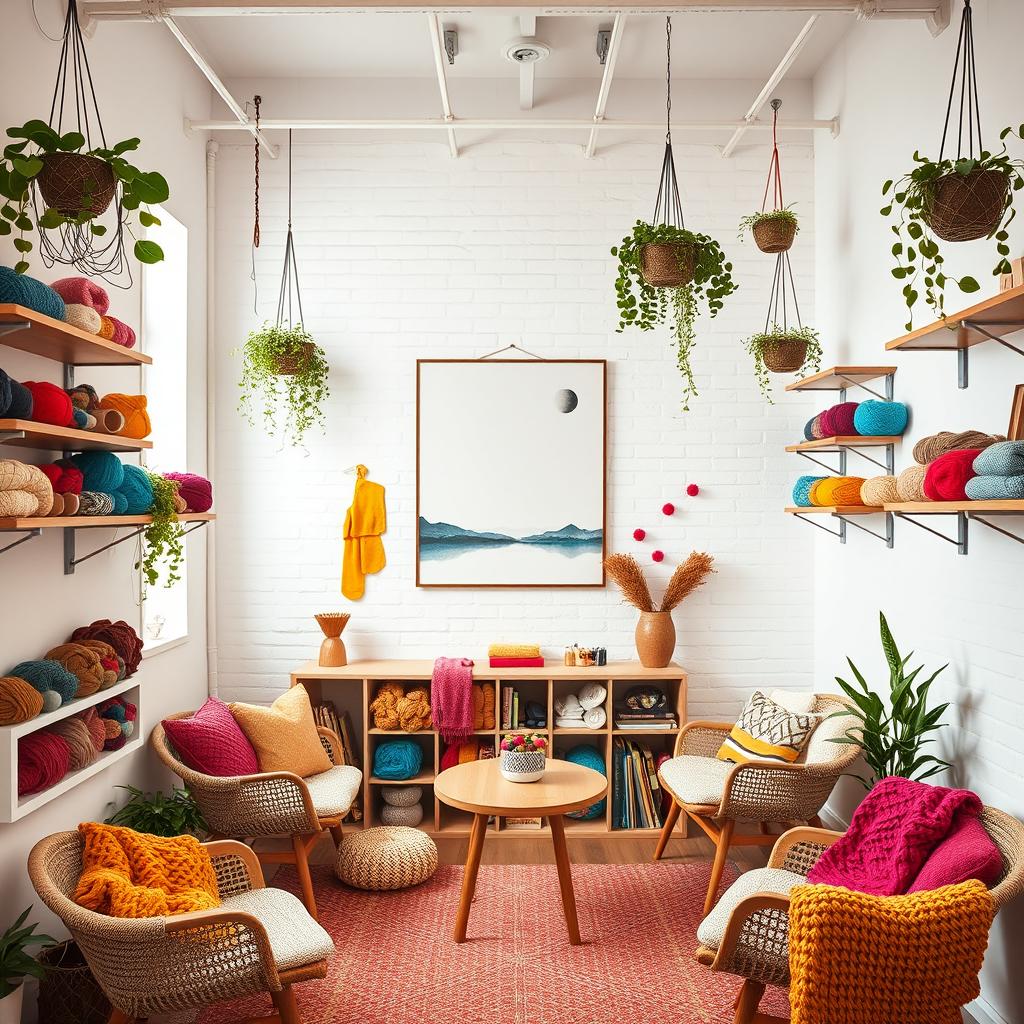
(569, 723)
(591, 696)
(594, 718)
(85, 318)
(568, 706)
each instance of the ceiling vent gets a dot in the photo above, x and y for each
(526, 50)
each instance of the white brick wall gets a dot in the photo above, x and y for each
(405, 253)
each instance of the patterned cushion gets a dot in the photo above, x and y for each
(211, 741)
(334, 790)
(695, 780)
(295, 938)
(766, 731)
(776, 880)
(284, 735)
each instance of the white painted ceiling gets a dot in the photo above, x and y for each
(369, 45)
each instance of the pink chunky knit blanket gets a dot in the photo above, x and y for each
(451, 698)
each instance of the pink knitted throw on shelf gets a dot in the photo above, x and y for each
(892, 834)
(451, 698)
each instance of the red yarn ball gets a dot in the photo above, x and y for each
(692, 490)
(50, 404)
(66, 479)
(658, 556)
(639, 534)
(668, 508)
(44, 758)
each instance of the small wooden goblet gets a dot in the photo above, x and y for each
(332, 650)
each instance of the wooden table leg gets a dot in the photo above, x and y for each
(476, 845)
(557, 824)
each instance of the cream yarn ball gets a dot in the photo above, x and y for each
(402, 796)
(409, 816)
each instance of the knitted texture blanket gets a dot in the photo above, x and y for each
(1003, 459)
(451, 697)
(129, 874)
(987, 487)
(892, 833)
(859, 959)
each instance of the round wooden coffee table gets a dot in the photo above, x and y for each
(478, 787)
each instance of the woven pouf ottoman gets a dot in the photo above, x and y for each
(390, 857)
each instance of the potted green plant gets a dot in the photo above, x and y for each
(667, 272)
(773, 230)
(892, 730)
(157, 814)
(783, 350)
(282, 365)
(77, 184)
(162, 538)
(16, 965)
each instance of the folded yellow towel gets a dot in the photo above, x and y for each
(513, 651)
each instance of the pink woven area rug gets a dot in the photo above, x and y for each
(396, 963)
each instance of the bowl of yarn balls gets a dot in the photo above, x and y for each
(401, 805)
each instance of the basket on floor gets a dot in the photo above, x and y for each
(667, 264)
(964, 207)
(68, 992)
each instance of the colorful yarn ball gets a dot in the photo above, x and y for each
(79, 740)
(668, 508)
(27, 291)
(117, 331)
(19, 700)
(837, 421)
(95, 503)
(50, 404)
(881, 419)
(101, 471)
(15, 399)
(48, 677)
(85, 318)
(83, 396)
(817, 428)
(83, 663)
(397, 759)
(43, 760)
(195, 489)
(64, 477)
(81, 419)
(119, 503)
(837, 490)
(929, 448)
(118, 717)
(657, 556)
(639, 534)
(946, 478)
(802, 490)
(122, 637)
(589, 757)
(137, 490)
(133, 408)
(97, 730)
(692, 490)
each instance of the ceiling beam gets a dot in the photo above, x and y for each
(437, 45)
(773, 81)
(611, 57)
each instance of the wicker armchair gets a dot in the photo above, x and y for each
(754, 938)
(258, 940)
(717, 795)
(272, 803)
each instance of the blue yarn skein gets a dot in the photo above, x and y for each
(809, 429)
(15, 398)
(120, 504)
(27, 291)
(880, 419)
(590, 757)
(137, 490)
(101, 471)
(48, 675)
(397, 759)
(802, 490)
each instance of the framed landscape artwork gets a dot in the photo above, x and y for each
(510, 472)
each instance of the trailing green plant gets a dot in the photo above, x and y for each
(785, 214)
(919, 260)
(159, 814)
(163, 537)
(643, 306)
(893, 729)
(755, 347)
(23, 162)
(301, 393)
(15, 963)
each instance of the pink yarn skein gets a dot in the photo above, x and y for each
(196, 490)
(82, 291)
(838, 420)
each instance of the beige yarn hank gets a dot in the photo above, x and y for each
(879, 490)
(78, 738)
(929, 448)
(910, 484)
(385, 705)
(414, 709)
(24, 490)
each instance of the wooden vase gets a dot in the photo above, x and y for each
(655, 639)
(332, 650)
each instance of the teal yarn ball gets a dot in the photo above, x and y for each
(101, 471)
(27, 291)
(802, 490)
(46, 676)
(880, 419)
(397, 759)
(589, 757)
(137, 490)
(120, 504)
(81, 418)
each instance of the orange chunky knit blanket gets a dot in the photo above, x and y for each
(861, 959)
(129, 874)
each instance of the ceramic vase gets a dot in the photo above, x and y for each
(522, 765)
(655, 639)
(332, 650)
(10, 1006)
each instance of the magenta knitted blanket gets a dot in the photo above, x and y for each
(891, 835)
(451, 698)
(84, 292)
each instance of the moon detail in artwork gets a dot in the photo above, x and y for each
(566, 400)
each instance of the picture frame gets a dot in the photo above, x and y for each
(511, 475)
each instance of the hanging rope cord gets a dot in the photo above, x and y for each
(775, 167)
(290, 271)
(668, 207)
(968, 89)
(256, 100)
(81, 76)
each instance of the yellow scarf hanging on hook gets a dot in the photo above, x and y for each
(365, 521)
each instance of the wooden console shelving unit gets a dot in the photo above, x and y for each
(353, 687)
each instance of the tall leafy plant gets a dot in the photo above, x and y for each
(160, 814)
(892, 730)
(15, 962)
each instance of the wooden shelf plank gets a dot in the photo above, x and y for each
(402, 669)
(423, 779)
(81, 522)
(940, 507)
(48, 718)
(842, 510)
(45, 437)
(1001, 315)
(838, 377)
(645, 732)
(54, 339)
(834, 444)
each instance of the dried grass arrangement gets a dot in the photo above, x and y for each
(626, 574)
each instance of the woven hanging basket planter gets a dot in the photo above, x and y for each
(68, 992)
(784, 355)
(667, 264)
(966, 207)
(774, 235)
(72, 183)
(294, 362)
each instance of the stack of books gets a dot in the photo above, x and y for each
(645, 709)
(515, 656)
(327, 715)
(636, 792)
(517, 712)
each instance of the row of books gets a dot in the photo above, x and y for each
(518, 712)
(326, 714)
(636, 792)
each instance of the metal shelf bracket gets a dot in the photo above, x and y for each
(14, 325)
(992, 526)
(70, 561)
(962, 356)
(961, 529)
(840, 533)
(886, 538)
(889, 390)
(29, 534)
(889, 465)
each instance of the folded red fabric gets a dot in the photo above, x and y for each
(517, 662)
(82, 291)
(967, 852)
(947, 476)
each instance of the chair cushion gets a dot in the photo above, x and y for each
(695, 780)
(766, 731)
(211, 742)
(774, 880)
(295, 938)
(334, 790)
(820, 747)
(284, 735)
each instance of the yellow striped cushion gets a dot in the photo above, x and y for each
(766, 731)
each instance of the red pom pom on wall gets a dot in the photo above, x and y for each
(692, 490)
(668, 508)
(658, 556)
(639, 534)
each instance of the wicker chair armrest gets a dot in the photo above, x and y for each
(331, 743)
(281, 804)
(799, 849)
(747, 914)
(236, 866)
(763, 791)
(701, 738)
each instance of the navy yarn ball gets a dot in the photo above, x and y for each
(137, 491)
(590, 757)
(809, 429)
(101, 471)
(15, 398)
(27, 291)
(880, 419)
(48, 675)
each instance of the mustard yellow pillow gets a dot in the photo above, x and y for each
(284, 735)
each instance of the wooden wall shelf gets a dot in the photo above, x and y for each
(839, 442)
(29, 331)
(945, 507)
(45, 437)
(834, 510)
(91, 522)
(839, 378)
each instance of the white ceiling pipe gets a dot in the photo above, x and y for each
(437, 45)
(773, 80)
(614, 41)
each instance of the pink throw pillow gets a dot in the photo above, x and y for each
(966, 852)
(212, 742)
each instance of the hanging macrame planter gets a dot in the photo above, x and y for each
(953, 199)
(60, 176)
(665, 271)
(773, 229)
